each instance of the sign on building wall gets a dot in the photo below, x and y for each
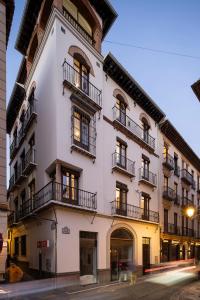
(43, 244)
(65, 230)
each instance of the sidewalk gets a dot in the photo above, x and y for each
(10, 290)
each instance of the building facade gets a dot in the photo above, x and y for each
(179, 190)
(6, 14)
(84, 150)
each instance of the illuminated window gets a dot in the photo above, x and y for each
(81, 129)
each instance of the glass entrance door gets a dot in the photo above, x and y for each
(121, 253)
(88, 257)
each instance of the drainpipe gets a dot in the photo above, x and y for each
(55, 242)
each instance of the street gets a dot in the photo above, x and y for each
(162, 286)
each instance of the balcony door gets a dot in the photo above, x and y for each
(70, 192)
(145, 168)
(166, 220)
(121, 154)
(81, 123)
(121, 199)
(144, 204)
(81, 76)
(121, 111)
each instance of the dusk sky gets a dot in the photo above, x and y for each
(171, 26)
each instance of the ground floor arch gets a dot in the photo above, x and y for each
(121, 252)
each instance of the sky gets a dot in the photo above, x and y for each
(171, 26)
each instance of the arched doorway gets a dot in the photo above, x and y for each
(121, 252)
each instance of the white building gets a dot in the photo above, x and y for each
(84, 149)
(179, 189)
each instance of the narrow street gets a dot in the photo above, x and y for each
(162, 286)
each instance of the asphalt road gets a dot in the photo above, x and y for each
(162, 286)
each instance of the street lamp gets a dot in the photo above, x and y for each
(190, 211)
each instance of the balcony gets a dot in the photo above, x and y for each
(133, 212)
(147, 177)
(172, 229)
(123, 165)
(168, 193)
(187, 232)
(168, 162)
(132, 129)
(29, 116)
(58, 194)
(186, 177)
(177, 200)
(89, 94)
(16, 178)
(193, 184)
(30, 161)
(78, 27)
(177, 171)
(13, 148)
(186, 202)
(13, 219)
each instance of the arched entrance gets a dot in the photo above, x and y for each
(121, 252)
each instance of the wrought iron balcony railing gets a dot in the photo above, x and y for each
(13, 148)
(187, 232)
(29, 115)
(186, 176)
(168, 193)
(24, 168)
(59, 193)
(187, 202)
(123, 164)
(29, 161)
(193, 184)
(171, 229)
(131, 211)
(133, 127)
(78, 27)
(168, 161)
(177, 171)
(81, 83)
(147, 176)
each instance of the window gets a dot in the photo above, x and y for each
(145, 167)
(22, 157)
(198, 183)
(73, 11)
(121, 154)
(144, 204)
(81, 76)
(16, 204)
(32, 141)
(15, 136)
(146, 128)
(23, 245)
(165, 220)
(121, 198)
(176, 189)
(176, 168)
(81, 124)
(31, 189)
(70, 181)
(165, 150)
(121, 110)
(16, 246)
(23, 200)
(175, 221)
(16, 170)
(31, 97)
(192, 199)
(166, 182)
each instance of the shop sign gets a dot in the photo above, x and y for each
(43, 244)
